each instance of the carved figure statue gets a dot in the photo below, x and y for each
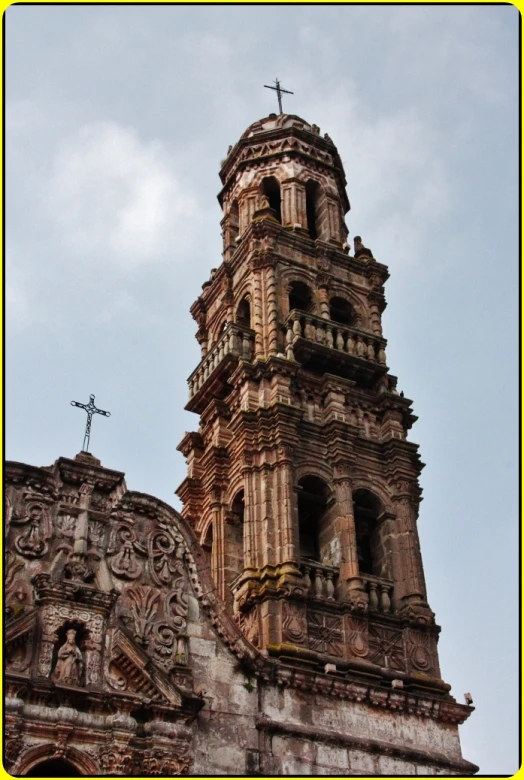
(69, 664)
(360, 249)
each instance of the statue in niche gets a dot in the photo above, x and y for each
(69, 664)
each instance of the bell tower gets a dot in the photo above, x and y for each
(302, 485)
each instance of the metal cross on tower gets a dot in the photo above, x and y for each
(91, 410)
(278, 89)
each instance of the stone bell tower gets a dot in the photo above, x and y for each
(302, 485)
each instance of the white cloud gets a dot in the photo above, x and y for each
(398, 181)
(115, 197)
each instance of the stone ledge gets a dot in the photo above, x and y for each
(457, 765)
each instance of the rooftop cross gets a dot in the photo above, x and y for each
(91, 410)
(278, 89)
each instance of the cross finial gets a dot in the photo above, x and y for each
(91, 410)
(278, 89)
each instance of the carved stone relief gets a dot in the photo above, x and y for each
(357, 636)
(17, 591)
(123, 550)
(386, 647)
(325, 633)
(294, 626)
(165, 557)
(248, 624)
(33, 541)
(65, 526)
(419, 650)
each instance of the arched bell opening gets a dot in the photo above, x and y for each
(314, 522)
(371, 550)
(243, 314)
(312, 208)
(234, 220)
(234, 540)
(300, 297)
(207, 540)
(340, 310)
(54, 767)
(270, 187)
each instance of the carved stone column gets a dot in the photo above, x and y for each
(272, 313)
(287, 510)
(249, 516)
(350, 586)
(47, 643)
(375, 301)
(258, 315)
(408, 573)
(323, 294)
(294, 203)
(217, 552)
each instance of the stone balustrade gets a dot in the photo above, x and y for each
(320, 579)
(379, 592)
(331, 334)
(234, 341)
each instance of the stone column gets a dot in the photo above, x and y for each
(350, 586)
(258, 315)
(217, 552)
(408, 574)
(287, 518)
(323, 295)
(374, 315)
(335, 220)
(266, 533)
(247, 208)
(294, 203)
(45, 659)
(249, 518)
(272, 313)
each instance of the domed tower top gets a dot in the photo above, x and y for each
(283, 163)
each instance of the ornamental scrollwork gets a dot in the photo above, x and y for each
(33, 542)
(122, 552)
(165, 557)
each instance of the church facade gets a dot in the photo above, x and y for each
(278, 625)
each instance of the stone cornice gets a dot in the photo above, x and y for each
(354, 742)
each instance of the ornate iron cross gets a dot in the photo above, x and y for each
(278, 89)
(91, 410)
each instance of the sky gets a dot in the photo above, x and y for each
(117, 119)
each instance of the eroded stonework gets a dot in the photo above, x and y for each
(280, 624)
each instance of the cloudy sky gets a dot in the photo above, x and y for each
(117, 119)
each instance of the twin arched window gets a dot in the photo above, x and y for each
(316, 531)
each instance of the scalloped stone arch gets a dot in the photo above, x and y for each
(314, 469)
(236, 486)
(292, 274)
(36, 755)
(378, 490)
(337, 290)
